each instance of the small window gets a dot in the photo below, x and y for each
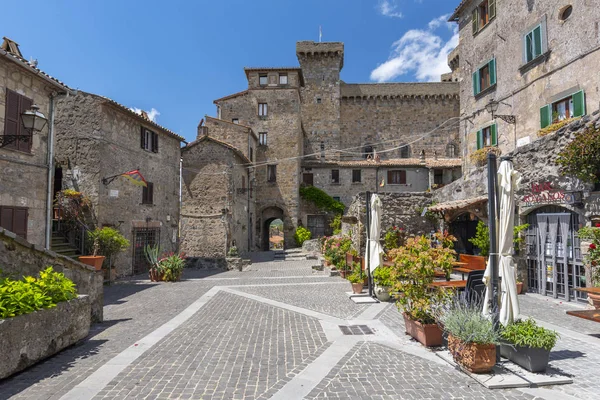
(569, 107)
(271, 173)
(368, 152)
(235, 121)
(262, 109)
(149, 140)
(483, 14)
(307, 178)
(283, 79)
(405, 151)
(565, 13)
(148, 193)
(533, 44)
(451, 150)
(336, 198)
(318, 100)
(484, 77)
(262, 138)
(397, 177)
(262, 80)
(356, 175)
(335, 176)
(438, 176)
(251, 154)
(487, 137)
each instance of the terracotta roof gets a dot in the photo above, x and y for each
(397, 162)
(457, 10)
(224, 144)
(421, 89)
(7, 48)
(231, 96)
(458, 204)
(132, 113)
(259, 69)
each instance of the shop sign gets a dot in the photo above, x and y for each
(545, 193)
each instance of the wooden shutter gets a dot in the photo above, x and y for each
(492, 69)
(155, 142)
(11, 117)
(578, 104)
(402, 177)
(546, 115)
(390, 177)
(6, 218)
(479, 139)
(150, 193)
(24, 105)
(14, 219)
(537, 40)
(475, 20)
(491, 9)
(143, 138)
(494, 133)
(476, 83)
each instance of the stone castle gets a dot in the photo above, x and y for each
(304, 125)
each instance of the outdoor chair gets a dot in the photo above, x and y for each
(475, 287)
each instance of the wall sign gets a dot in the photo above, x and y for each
(545, 193)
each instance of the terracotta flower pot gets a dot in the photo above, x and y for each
(519, 287)
(343, 273)
(155, 276)
(357, 288)
(94, 261)
(595, 299)
(476, 358)
(429, 335)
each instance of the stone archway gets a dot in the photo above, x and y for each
(269, 215)
(463, 227)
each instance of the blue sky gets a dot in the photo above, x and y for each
(177, 56)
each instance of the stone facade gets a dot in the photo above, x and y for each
(567, 64)
(312, 113)
(217, 204)
(24, 178)
(99, 138)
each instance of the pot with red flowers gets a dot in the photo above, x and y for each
(590, 250)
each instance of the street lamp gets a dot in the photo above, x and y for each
(33, 119)
(492, 107)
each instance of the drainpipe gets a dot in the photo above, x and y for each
(50, 172)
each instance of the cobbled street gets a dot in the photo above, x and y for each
(273, 332)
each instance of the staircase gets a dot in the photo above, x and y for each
(290, 255)
(60, 245)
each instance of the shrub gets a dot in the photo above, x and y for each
(555, 126)
(479, 157)
(31, 294)
(336, 224)
(233, 252)
(382, 276)
(580, 158)
(108, 241)
(528, 334)
(335, 249)
(482, 238)
(301, 235)
(172, 265)
(465, 321)
(394, 238)
(357, 275)
(321, 199)
(593, 255)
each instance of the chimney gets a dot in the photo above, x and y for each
(144, 115)
(202, 130)
(422, 157)
(11, 46)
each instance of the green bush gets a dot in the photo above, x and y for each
(108, 241)
(31, 294)
(172, 265)
(357, 275)
(528, 334)
(382, 276)
(482, 238)
(301, 235)
(336, 224)
(321, 199)
(580, 158)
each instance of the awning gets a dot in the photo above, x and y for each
(457, 204)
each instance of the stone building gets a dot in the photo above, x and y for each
(513, 83)
(99, 138)
(26, 156)
(313, 128)
(217, 201)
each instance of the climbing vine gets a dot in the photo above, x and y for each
(321, 199)
(581, 157)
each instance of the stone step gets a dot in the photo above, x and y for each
(60, 246)
(294, 251)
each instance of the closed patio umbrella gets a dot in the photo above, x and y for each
(508, 181)
(375, 250)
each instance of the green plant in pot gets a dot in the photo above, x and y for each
(107, 242)
(356, 278)
(382, 277)
(591, 249)
(528, 345)
(482, 239)
(472, 338)
(156, 269)
(413, 272)
(172, 265)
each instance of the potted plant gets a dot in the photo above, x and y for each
(382, 277)
(412, 273)
(590, 249)
(156, 271)
(357, 280)
(94, 260)
(528, 344)
(171, 266)
(481, 240)
(108, 242)
(519, 286)
(472, 338)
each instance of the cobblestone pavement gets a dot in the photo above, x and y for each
(273, 331)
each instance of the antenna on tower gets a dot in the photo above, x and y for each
(320, 33)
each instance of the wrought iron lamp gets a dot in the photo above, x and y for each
(33, 120)
(492, 107)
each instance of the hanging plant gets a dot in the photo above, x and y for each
(479, 157)
(581, 157)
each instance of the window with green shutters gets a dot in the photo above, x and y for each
(487, 137)
(483, 14)
(572, 106)
(484, 77)
(533, 44)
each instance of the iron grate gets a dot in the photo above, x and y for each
(356, 330)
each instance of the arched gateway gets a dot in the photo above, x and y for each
(269, 215)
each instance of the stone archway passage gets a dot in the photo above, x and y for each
(269, 215)
(464, 227)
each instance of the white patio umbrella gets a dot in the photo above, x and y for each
(508, 182)
(375, 248)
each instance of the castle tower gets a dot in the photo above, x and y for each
(321, 64)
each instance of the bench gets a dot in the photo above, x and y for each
(470, 263)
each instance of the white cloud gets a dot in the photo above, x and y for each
(422, 52)
(389, 8)
(152, 114)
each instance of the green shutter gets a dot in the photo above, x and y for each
(476, 83)
(492, 8)
(475, 18)
(537, 40)
(493, 130)
(492, 68)
(578, 104)
(479, 139)
(545, 116)
(529, 47)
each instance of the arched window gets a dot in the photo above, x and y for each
(405, 151)
(368, 152)
(451, 150)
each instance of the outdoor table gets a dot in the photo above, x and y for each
(591, 315)
(450, 284)
(592, 290)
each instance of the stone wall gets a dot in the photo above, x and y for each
(24, 179)
(20, 258)
(97, 139)
(239, 136)
(567, 67)
(29, 338)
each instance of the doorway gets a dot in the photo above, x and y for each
(464, 227)
(269, 225)
(276, 235)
